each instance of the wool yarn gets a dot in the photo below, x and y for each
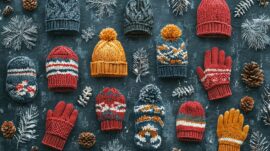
(62, 16)
(21, 82)
(62, 69)
(149, 115)
(172, 55)
(139, 18)
(110, 109)
(214, 19)
(108, 58)
(190, 121)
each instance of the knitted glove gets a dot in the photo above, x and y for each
(230, 131)
(216, 76)
(59, 124)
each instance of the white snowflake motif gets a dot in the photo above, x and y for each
(88, 33)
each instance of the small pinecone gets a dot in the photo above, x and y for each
(8, 10)
(252, 75)
(30, 5)
(8, 129)
(34, 148)
(247, 104)
(87, 139)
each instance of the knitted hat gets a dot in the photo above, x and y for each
(172, 56)
(214, 19)
(62, 69)
(190, 122)
(149, 114)
(21, 82)
(139, 18)
(110, 109)
(108, 58)
(62, 15)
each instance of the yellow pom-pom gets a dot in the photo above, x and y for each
(108, 34)
(171, 32)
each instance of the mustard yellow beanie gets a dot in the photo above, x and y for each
(108, 58)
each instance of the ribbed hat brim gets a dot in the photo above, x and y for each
(109, 69)
(172, 70)
(62, 25)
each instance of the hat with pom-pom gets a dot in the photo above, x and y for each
(21, 82)
(190, 122)
(108, 58)
(139, 18)
(149, 115)
(172, 56)
(110, 109)
(62, 69)
(214, 19)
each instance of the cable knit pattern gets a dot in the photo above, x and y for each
(139, 18)
(216, 74)
(149, 112)
(214, 19)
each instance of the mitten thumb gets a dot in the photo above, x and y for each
(200, 72)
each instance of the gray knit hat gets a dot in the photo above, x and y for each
(139, 18)
(21, 82)
(63, 15)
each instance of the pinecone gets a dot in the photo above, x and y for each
(87, 139)
(8, 10)
(30, 5)
(247, 104)
(34, 148)
(8, 129)
(252, 75)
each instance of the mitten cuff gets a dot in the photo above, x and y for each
(54, 141)
(228, 147)
(110, 125)
(219, 92)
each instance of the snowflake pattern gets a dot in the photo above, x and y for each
(88, 33)
(114, 145)
(24, 88)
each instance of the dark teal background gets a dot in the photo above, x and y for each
(87, 118)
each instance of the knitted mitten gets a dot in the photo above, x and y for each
(110, 109)
(59, 124)
(230, 131)
(216, 76)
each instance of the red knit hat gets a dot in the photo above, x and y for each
(213, 19)
(190, 121)
(62, 69)
(110, 109)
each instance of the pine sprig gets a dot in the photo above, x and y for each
(258, 142)
(114, 145)
(242, 7)
(140, 64)
(182, 91)
(265, 110)
(85, 96)
(27, 125)
(102, 7)
(179, 7)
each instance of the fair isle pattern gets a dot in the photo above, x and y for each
(190, 124)
(24, 88)
(232, 140)
(214, 72)
(148, 108)
(115, 106)
(145, 118)
(62, 67)
(22, 72)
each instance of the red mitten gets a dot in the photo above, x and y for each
(59, 124)
(216, 76)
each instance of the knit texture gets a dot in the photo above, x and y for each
(139, 18)
(230, 131)
(108, 58)
(149, 114)
(190, 122)
(62, 16)
(110, 109)
(62, 69)
(21, 82)
(216, 74)
(59, 124)
(172, 56)
(214, 19)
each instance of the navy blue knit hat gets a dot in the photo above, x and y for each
(172, 56)
(62, 15)
(21, 79)
(139, 18)
(149, 114)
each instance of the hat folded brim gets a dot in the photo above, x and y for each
(109, 69)
(164, 71)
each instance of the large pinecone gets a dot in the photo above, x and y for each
(87, 139)
(8, 129)
(247, 104)
(252, 75)
(30, 5)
